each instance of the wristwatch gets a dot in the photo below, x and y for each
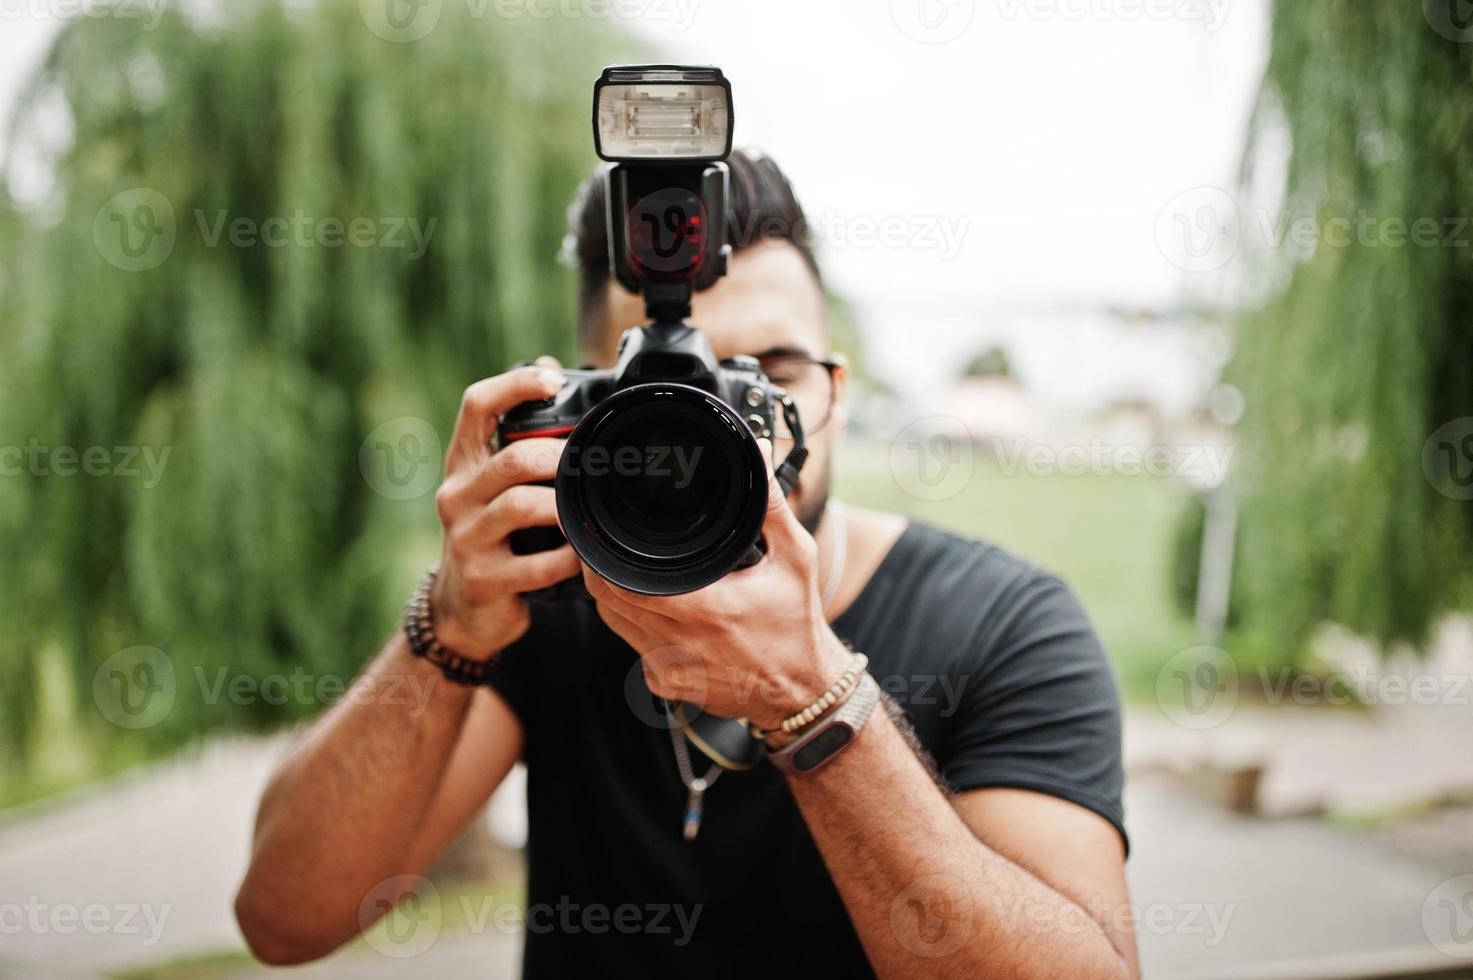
(828, 736)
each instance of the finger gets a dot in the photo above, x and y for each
(780, 526)
(484, 402)
(548, 361)
(655, 609)
(523, 461)
(641, 608)
(625, 627)
(518, 508)
(527, 573)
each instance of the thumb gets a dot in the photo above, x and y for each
(781, 525)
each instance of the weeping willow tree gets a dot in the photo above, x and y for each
(1364, 346)
(267, 229)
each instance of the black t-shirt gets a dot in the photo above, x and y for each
(999, 673)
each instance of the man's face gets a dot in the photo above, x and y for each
(768, 305)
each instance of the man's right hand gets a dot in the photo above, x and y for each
(477, 601)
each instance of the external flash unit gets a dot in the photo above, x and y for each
(655, 113)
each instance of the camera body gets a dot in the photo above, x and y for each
(649, 356)
(662, 487)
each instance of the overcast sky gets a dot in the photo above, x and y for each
(962, 160)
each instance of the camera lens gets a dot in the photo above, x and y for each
(663, 489)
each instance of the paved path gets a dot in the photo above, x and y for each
(1218, 895)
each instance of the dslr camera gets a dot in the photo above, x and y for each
(662, 487)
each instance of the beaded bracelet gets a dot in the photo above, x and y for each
(836, 693)
(419, 627)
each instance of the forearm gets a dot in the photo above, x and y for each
(926, 897)
(344, 811)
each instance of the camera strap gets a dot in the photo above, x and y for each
(787, 472)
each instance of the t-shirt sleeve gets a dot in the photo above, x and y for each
(1045, 713)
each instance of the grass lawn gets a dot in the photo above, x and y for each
(1107, 536)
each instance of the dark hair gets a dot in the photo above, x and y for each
(760, 205)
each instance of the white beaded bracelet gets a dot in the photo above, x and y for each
(829, 698)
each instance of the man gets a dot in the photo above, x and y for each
(973, 828)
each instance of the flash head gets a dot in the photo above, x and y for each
(662, 113)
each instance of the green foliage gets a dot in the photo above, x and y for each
(261, 369)
(991, 363)
(1186, 562)
(1362, 350)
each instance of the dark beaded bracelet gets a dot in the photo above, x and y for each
(419, 627)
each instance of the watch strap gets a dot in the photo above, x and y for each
(831, 734)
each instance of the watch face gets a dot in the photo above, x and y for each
(822, 747)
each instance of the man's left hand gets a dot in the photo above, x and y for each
(754, 644)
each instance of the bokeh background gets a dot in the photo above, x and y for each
(1173, 297)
